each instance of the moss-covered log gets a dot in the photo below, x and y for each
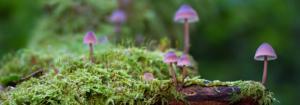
(115, 77)
(213, 95)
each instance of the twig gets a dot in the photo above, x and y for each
(34, 74)
(55, 70)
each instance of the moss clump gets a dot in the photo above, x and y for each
(91, 85)
(72, 54)
(80, 82)
(253, 89)
(115, 78)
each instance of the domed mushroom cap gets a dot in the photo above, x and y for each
(147, 76)
(186, 12)
(171, 57)
(90, 37)
(184, 60)
(118, 16)
(265, 50)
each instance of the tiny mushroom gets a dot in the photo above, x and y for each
(169, 58)
(183, 61)
(1, 88)
(148, 76)
(264, 53)
(118, 17)
(10, 88)
(186, 14)
(90, 39)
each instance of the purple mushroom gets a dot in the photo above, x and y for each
(264, 53)
(186, 14)
(148, 76)
(90, 39)
(118, 17)
(169, 58)
(183, 61)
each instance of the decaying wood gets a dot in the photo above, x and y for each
(202, 95)
(34, 74)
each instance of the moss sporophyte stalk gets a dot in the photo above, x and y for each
(114, 78)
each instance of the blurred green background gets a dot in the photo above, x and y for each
(223, 42)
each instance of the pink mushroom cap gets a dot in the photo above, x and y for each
(118, 16)
(90, 38)
(171, 57)
(265, 50)
(186, 12)
(148, 76)
(184, 60)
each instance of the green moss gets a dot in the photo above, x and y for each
(90, 86)
(216, 89)
(93, 85)
(253, 89)
(248, 89)
(79, 82)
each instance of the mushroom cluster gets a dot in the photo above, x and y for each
(185, 14)
(182, 61)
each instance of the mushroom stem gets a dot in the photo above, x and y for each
(183, 76)
(265, 70)
(186, 34)
(91, 50)
(174, 78)
(117, 30)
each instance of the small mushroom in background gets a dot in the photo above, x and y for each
(183, 61)
(1, 88)
(147, 77)
(118, 17)
(90, 39)
(139, 39)
(103, 40)
(264, 53)
(186, 14)
(169, 58)
(10, 88)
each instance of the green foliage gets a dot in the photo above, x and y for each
(11, 78)
(18, 19)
